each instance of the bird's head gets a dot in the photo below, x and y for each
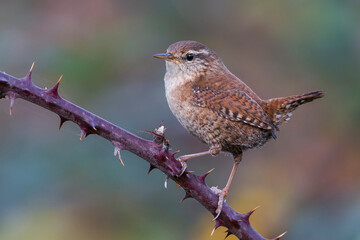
(189, 60)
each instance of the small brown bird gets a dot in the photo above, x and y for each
(218, 108)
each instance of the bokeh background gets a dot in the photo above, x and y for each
(52, 186)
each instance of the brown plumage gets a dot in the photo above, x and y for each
(217, 107)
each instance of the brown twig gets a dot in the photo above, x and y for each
(156, 152)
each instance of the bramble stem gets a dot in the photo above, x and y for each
(156, 152)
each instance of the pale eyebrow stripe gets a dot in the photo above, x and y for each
(202, 51)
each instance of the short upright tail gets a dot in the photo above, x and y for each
(280, 109)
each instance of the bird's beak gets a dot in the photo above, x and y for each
(166, 56)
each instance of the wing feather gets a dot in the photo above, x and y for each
(234, 105)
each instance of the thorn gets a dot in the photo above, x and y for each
(248, 214)
(212, 232)
(121, 159)
(152, 132)
(62, 121)
(280, 236)
(185, 197)
(12, 98)
(117, 152)
(152, 167)
(54, 90)
(174, 153)
(158, 132)
(117, 147)
(58, 82)
(28, 75)
(252, 211)
(202, 177)
(228, 233)
(148, 131)
(166, 181)
(84, 133)
(11, 105)
(93, 126)
(32, 67)
(218, 223)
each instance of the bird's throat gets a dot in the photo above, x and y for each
(176, 77)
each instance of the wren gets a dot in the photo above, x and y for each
(218, 108)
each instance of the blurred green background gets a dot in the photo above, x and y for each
(52, 186)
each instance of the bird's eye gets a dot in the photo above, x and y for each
(189, 56)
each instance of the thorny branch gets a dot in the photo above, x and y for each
(156, 152)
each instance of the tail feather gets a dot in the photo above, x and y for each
(280, 109)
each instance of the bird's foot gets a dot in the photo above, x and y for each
(182, 161)
(222, 194)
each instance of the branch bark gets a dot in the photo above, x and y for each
(156, 152)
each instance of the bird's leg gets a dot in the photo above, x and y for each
(223, 193)
(214, 150)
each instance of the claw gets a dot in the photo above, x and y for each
(222, 194)
(184, 158)
(219, 208)
(183, 165)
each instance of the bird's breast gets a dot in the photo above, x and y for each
(179, 98)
